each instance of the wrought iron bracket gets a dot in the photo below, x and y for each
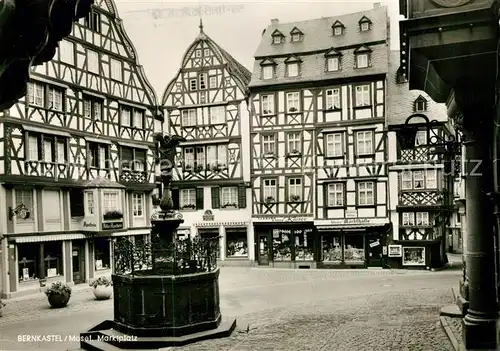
(20, 211)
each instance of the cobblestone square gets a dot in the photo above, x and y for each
(282, 310)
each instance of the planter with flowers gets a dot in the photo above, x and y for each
(295, 198)
(58, 294)
(103, 288)
(2, 305)
(270, 200)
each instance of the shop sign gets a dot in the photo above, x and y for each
(375, 243)
(89, 225)
(208, 216)
(112, 225)
(344, 221)
(395, 250)
(281, 219)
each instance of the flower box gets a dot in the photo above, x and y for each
(112, 215)
(295, 198)
(188, 207)
(230, 205)
(270, 200)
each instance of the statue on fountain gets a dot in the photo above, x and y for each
(166, 146)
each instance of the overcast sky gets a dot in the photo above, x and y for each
(162, 30)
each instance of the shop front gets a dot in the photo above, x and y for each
(285, 242)
(351, 242)
(234, 239)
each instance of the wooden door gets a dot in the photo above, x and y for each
(374, 258)
(263, 249)
(78, 262)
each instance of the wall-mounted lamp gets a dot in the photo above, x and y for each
(20, 211)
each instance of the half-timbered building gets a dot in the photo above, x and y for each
(318, 143)
(205, 103)
(76, 158)
(421, 177)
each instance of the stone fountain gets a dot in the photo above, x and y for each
(166, 292)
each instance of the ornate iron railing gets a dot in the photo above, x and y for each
(180, 257)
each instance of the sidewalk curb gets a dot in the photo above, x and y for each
(449, 333)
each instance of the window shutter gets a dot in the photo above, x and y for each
(175, 198)
(242, 196)
(199, 198)
(215, 197)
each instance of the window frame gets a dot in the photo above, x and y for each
(333, 97)
(193, 84)
(111, 194)
(292, 64)
(273, 189)
(188, 113)
(331, 202)
(296, 98)
(98, 148)
(272, 143)
(371, 138)
(331, 59)
(360, 101)
(296, 142)
(116, 68)
(222, 118)
(93, 102)
(269, 104)
(333, 143)
(269, 69)
(229, 203)
(362, 64)
(138, 205)
(91, 55)
(359, 190)
(340, 28)
(191, 192)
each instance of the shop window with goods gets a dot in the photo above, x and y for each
(102, 253)
(354, 250)
(236, 243)
(331, 248)
(304, 240)
(29, 256)
(53, 259)
(282, 245)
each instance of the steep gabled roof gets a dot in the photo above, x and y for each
(241, 74)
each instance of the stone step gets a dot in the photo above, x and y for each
(451, 311)
(97, 345)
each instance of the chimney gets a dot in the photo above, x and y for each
(275, 21)
(376, 5)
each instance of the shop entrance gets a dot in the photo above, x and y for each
(374, 251)
(263, 249)
(78, 261)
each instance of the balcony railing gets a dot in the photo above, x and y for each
(129, 176)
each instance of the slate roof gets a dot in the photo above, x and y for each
(317, 40)
(240, 72)
(400, 99)
(318, 33)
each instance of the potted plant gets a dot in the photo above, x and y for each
(218, 167)
(189, 207)
(188, 168)
(269, 199)
(230, 204)
(111, 215)
(292, 109)
(198, 168)
(295, 198)
(58, 294)
(102, 288)
(2, 305)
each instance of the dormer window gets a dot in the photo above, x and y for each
(363, 57)
(267, 67)
(332, 58)
(292, 66)
(296, 34)
(338, 28)
(364, 24)
(420, 104)
(278, 37)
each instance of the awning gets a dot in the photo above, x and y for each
(133, 145)
(45, 131)
(41, 238)
(98, 140)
